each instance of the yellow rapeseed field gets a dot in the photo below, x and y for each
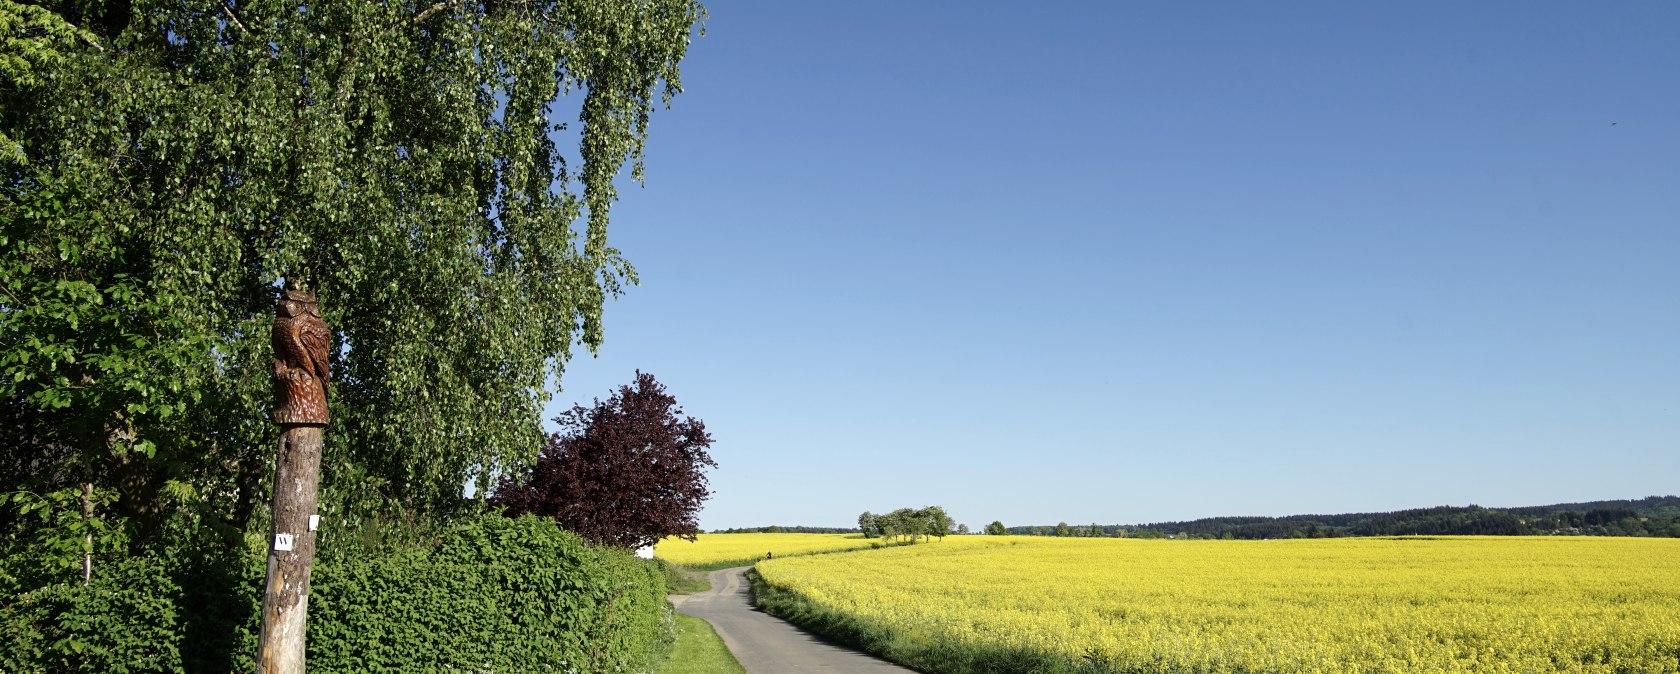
(1334, 606)
(717, 551)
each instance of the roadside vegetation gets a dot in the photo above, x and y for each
(487, 593)
(699, 650)
(680, 579)
(1412, 604)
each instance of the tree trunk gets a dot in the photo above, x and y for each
(285, 606)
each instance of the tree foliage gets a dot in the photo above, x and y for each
(866, 524)
(402, 159)
(627, 471)
(907, 523)
(32, 38)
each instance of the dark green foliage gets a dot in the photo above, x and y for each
(487, 594)
(907, 523)
(495, 594)
(124, 621)
(220, 596)
(165, 165)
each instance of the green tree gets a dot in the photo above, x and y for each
(400, 159)
(868, 525)
(907, 523)
(1063, 530)
(32, 39)
(996, 528)
(936, 522)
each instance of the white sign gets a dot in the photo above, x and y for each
(282, 542)
(314, 522)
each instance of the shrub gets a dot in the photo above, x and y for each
(490, 594)
(123, 621)
(495, 594)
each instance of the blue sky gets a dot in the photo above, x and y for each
(1128, 262)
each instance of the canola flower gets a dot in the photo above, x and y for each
(1428, 605)
(718, 551)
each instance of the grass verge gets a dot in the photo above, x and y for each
(683, 580)
(699, 650)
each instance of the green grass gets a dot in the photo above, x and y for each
(699, 650)
(683, 580)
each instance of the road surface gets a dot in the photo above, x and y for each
(768, 645)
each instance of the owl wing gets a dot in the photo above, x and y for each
(286, 346)
(316, 340)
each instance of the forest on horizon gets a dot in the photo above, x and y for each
(1649, 516)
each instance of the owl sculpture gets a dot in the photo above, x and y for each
(301, 344)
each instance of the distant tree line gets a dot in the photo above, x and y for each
(907, 523)
(1651, 516)
(778, 529)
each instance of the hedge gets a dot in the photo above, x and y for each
(122, 622)
(491, 594)
(496, 595)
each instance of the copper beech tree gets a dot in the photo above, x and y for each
(628, 471)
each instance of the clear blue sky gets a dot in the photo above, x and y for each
(1138, 261)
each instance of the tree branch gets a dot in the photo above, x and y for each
(234, 18)
(434, 9)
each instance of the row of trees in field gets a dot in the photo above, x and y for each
(908, 523)
(779, 529)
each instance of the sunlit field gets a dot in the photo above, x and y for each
(1471, 604)
(720, 551)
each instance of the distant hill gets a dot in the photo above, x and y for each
(1650, 516)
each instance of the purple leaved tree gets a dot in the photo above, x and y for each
(626, 472)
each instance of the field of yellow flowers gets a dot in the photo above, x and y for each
(721, 551)
(1332, 606)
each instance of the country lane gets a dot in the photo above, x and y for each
(768, 645)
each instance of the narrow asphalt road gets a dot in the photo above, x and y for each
(768, 645)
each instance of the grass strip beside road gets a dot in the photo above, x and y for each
(699, 650)
(683, 580)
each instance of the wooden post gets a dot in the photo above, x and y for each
(301, 349)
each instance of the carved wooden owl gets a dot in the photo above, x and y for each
(302, 344)
(301, 338)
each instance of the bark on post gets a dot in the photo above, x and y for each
(301, 348)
